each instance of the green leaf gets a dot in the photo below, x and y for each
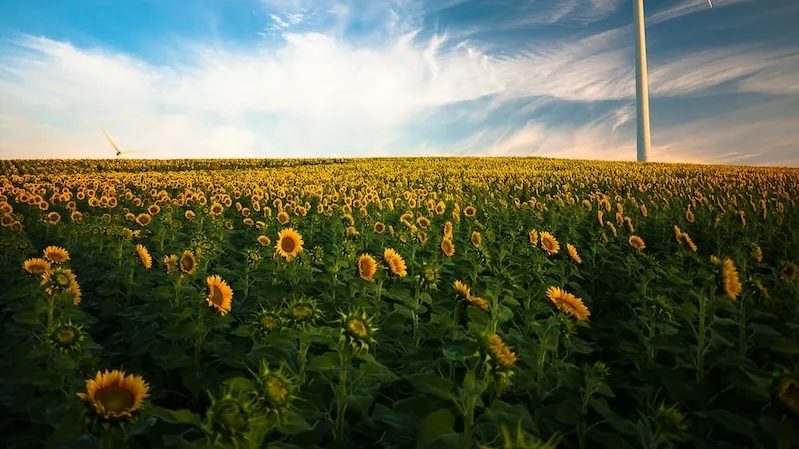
(292, 422)
(732, 422)
(181, 416)
(432, 384)
(436, 425)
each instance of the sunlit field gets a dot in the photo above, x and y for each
(398, 303)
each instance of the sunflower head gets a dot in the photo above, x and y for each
(275, 388)
(500, 353)
(549, 243)
(268, 321)
(318, 256)
(289, 243)
(170, 263)
(568, 303)
(787, 393)
(144, 256)
(462, 288)
(573, 253)
(303, 311)
(395, 262)
(220, 295)
(58, 280)
(367, 267)
(187, 263)
(357, 330)
(789, 272)
(115, 395)
(447, 247)
(264, 240)
(36, 266)
(430, 275)
(66, 337)
(636, 242)
(476, 239)
(56, 254)
(228, 417)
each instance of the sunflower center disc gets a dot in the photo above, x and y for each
(287, 245)
(115, 399)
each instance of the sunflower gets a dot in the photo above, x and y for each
(53, 218)
(569, 303)
(447, 247)
(187, 262)
(304, 311)
(549, 243)
(730, 282)
(637, 242)
(787, 393)
(56, 254)
(154, 209)
(143, 219)
(264, 240)
(379, 227)
(462, 288)
(282, 217)
(476, 239)
(216, 209)
(367, 267)
(789, 272)
(114, 395)
(395, 262)
(189, 214)
(170, 262)
(501, 353)
(36, 266)
(66, 337)
(289, 243)
(573, 253)
(268, 321)
(478, 302)
(448, 229)
(757, 254)
(77, 294)
(144, 256)
(220, 295)
(357, 330)
(469, 211)
(533, 236)
(276, 389)
(58, 280)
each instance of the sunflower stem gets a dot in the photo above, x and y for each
(341, 391)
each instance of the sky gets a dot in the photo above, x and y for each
(356, 78)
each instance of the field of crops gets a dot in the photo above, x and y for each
(398, 303)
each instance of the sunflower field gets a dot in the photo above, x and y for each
(398, 303)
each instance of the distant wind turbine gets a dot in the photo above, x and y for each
(116, 148)
(642, 82)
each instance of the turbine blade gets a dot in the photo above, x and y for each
(710, 2)
(111, 141)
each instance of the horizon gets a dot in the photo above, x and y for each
(354, 79)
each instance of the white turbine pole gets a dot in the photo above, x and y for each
(641, 83)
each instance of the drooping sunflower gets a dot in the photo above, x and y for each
(501, 353)
(36, 266)
(187, 262)
(573, 253)
(478, 302)
(56, 254)
(549, 243)
(115, 395)
(367, 267)
(289, 243)
(144, 256)
(636, 242)
(220, 295)
(447, 247)
(730, 281)
(569, 303)
(395, 262)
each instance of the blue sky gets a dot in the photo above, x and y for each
(306, 78)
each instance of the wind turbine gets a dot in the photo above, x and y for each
(642, 82)
(116, 148)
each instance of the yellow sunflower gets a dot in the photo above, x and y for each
(144, 256)
(533, 236)
(730, 282)
(476, 239)
(637, 242)
(395, 262)
(170, 262)
(220, 295)
(573, 253)
(379, 227)
(143, 219)
(469, 211)
(36, 266)
(462, 288)
(282, 217)
(289, 243)
(56, 254)
(263, 240)
(114, 395)
(367, 267)
(549, 243)
(501, 352)
(447, 247)
(187, 262)
(569, 303)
